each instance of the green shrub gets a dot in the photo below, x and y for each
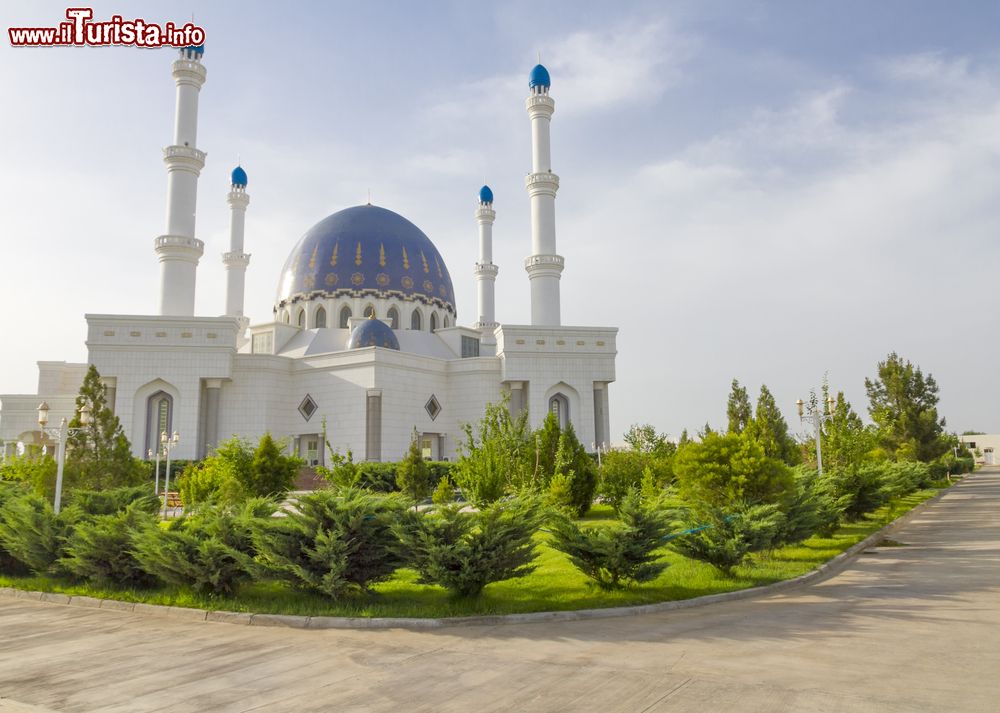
(376, 477)
(618, 555)
(725, 539)
(100, 549)
(8, 564)
(32, 533)
(444, 493)
(465, 551)
(726, 469)
(109, 502)
(336, 542)
(812, 510)
(413, 477)
(210, 551)
(861, 489)
(621, 473)
(493, 460)
(213, 480)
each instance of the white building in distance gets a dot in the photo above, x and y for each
(363, 343)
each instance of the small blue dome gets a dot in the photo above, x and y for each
(485, 195)
(373, 333)
(239, 177)
(197, 49)
(539, 77)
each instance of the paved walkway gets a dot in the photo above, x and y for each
(903, 629)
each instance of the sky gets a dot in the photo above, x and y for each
(778, 192)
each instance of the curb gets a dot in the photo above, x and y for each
(825, 570)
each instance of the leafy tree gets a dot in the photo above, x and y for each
(618, 555)
(621, 473)
(334, 543)
(99, 456)
(847, 441)
(465, 551)
(546, 440)
(725, 538)
(343, 471)
(413, 476)
(728, 468)
(573, 462)
(738, 408)
(903, 404)
(644, 438)
(492, 460)
(771, 430)
(272, 473)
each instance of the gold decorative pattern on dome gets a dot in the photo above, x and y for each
(406, 260)
(312, 258)
(443, 291)
(438, 266)
(357, 256)
(424, 260)
(333, 257)
(382, 279)
(295, 265)
(357, 278)
(309, 282)
(407, 282)
(428, 287)
(331, 279)
(381, 255)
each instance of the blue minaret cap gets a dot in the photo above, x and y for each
(239, 177)
(197, 49)
(485, 195)
(539, 77)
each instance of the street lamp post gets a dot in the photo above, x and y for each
(156, 482)
(598, 447)
(167, 442)
(61, 434)
(818, 416)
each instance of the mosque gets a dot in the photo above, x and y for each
(363, 346)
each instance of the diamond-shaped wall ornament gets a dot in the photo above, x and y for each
(433, 407)
(308, 407)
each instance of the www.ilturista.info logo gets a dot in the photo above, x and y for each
(81, 30)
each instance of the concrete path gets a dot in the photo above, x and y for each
(903, 629)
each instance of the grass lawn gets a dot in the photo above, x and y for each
(555, 584)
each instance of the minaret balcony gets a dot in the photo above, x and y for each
(190, 72)
(541, 104)
(236, 259)
(486, 269)
(544, 265)
(542, 183)
(184, 157)
(178, 247)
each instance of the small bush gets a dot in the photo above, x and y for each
(725, 539)
(813, 510)
(32, 533)
(211, 550)
(621, 473)
(860, 489)
(413, 476)
(100, 549)
(109, 502)
(444, 493)
(8, 564)
(465, 551)
(336, 543)
(618, 555)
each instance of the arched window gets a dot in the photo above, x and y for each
(559, 406)
(434, 321)
(447, 321)
(415, 321)
(369, 311)
(393, 317)
(302, 318)
(320, 319)
(345, 316)
(285, 317)
(159, 417)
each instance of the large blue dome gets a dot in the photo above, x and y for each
(366, 250)
(372, 333)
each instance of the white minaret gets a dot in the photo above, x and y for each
(178, 250)
(236, 260)
(485, 271)
(544, 266)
